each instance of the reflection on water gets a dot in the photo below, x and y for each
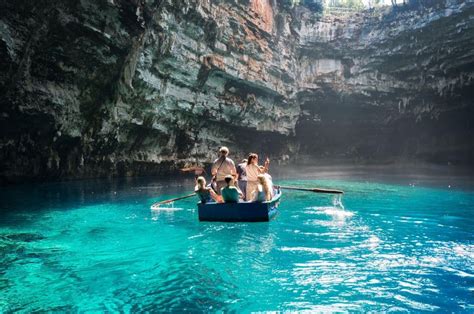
(96, 246)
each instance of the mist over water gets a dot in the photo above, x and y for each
(393, 241)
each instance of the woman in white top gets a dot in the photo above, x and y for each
(253, 170)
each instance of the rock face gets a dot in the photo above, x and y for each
(389, 85)
(135, 87)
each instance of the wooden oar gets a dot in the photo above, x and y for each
(157, 204)
(197, 170)
(315, 190)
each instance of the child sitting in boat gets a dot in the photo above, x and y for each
(206, 194)
(230, 194)
(263, 192)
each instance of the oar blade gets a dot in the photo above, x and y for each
(315, 190)
(327, 191)
(155, 207)
(157, 204)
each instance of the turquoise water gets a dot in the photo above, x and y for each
(96, 246)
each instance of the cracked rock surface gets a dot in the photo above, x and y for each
(141, 87)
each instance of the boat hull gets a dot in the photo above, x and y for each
(240, 212)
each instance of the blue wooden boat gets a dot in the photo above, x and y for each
(242, 211)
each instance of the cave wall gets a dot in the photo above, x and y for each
(388, 85)
(141, 87)
(125, 87)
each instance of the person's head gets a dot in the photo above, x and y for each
(253, 159)
(244, 161)
(223, 151)
(229, 179)
(201, 182)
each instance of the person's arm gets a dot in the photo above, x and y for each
(233, 171)
(214, 196)
(266, 165)
(214, 169)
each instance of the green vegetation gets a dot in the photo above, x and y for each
(319, 5)
(356, 5)
(313, 5)
(352, 4)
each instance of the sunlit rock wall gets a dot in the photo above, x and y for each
(137, 87)
(123, 87)
(388, 85)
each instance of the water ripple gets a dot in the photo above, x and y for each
(383, 248)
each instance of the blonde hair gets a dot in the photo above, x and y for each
(262, 179)
(201, 183)
(224, 150)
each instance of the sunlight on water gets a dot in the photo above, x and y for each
(337, 201)
(79, 247)
(166, 207)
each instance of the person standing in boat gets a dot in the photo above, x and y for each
(222, 167)
(242, 177)
(253, 170)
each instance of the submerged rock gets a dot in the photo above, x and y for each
(22, 237)
(126, 87)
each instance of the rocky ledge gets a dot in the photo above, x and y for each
(136, 87)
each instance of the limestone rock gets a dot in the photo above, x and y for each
(141, 87)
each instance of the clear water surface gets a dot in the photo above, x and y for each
(97, 246)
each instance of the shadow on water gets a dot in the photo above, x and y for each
(35, 197)
(32, 199)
